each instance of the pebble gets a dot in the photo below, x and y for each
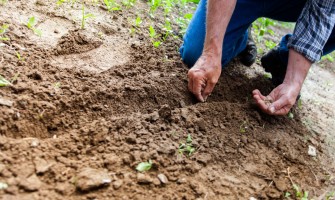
(34, 143)
(31, 184)
(143, 178)
(215, 123)
(163, 178)
(41, 165)
(311, 151)
(89, 179)
(117, 184)
(6, 102)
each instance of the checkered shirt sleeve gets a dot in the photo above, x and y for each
(313, 28)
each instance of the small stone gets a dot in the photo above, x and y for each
(34, 143)
(31, 184)
(163, 178)
(215, 123)
(181, 180)
(5, 102)
(3, 186)
(117, 184)
(182, 104)
(65, 188)
(280, 184)
(41, 165)
(311, 151)
(252, 198)
(204, 158)
(143, 178)
(165, 112)
(156, 182)
(89, 179)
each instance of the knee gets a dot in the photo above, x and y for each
(189, 54)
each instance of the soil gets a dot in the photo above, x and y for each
(87, 106)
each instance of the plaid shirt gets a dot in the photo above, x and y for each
(313, 28)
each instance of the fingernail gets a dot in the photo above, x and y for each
(272, 109)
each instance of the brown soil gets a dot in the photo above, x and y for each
(102, 100)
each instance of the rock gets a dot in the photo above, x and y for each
(311, 150)
(156, 182)
(34, 143)
(215, 122)
(3, 186)
(280, 184)
(163, 178)
(65, 188)
(204, 158)
(89, 179)
(5, 102)
(41, 165)
(117, 184)
(181, 180)
(31, 184)
(143, 179)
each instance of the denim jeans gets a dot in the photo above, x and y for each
(235, 39)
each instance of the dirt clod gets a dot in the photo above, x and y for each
(89, 179)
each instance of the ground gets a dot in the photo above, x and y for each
(86, 106)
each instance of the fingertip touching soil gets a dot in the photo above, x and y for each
(87, 106)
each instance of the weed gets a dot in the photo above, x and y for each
(18, 55)
(31, 25)
(153, 35)
(85, 16)
(330, 195)
(138, 21)
(3, 30)
(129, 3)
(111, 5)
(302, 195)
(186, 147)
(144, 166)
(243, 127)
(4, 82)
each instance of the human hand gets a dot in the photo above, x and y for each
(279, 101)
(203, 76)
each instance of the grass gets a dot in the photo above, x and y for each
(4, 82)
(3, 30)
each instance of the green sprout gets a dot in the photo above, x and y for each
(111, 5)
(144, 166)
(153, 35)
(299, 193)
(3, 30)
(138, 21)
(4, 82)
(85, 16)
(290, 115)
(186, 147)
(31, 25)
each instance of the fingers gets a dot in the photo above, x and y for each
(196, 83)
(273, 104)
(208, 89)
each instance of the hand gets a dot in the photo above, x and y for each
(280, 100)
(203, 76)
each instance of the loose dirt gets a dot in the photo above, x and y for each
(89, 105)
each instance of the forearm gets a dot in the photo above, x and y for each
(297, 68)
(219, 13)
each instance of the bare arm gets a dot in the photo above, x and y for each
(206, 72)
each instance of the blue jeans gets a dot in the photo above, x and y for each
(235, 39)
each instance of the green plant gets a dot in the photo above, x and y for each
(31, 25)
(4, 82)
(243, 127)
(85, 16)
(138, 21)
(330, 195)
(3, 2)
(299, 194)
(144, 166)
(129, 3)
(153, 35)
(111, 5)
(186, 147)
(290, 115)
(3, 30)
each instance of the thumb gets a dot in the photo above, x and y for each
(208, 89)
(280, 107)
